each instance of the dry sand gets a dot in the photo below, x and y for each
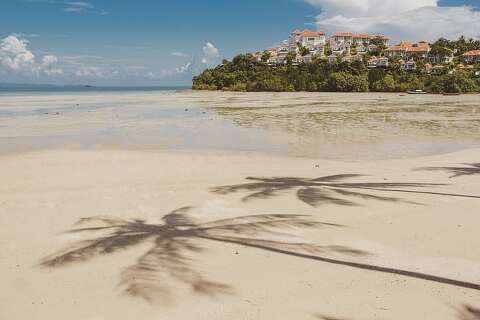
(46, 192)
(396, 243)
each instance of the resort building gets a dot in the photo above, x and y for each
(361, 38)
(408, 50)
(341, 48)
(352, 58)
(382, 62)
(342, 37)
(354, 38)
(306, 38)
(375, 62)
(440, 58)
(372, 62)
(361, 49)
(411, 65)
(472, 56)
(380, 38)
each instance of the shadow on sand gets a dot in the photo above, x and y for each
(322, 317)
(468, 313)
(468, 170)
(171, 242)
(174, 238)
(327, 190)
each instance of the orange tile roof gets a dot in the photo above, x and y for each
(410, 47)
(343, 34)
(309, 33)
(362, 35)
(472, 53)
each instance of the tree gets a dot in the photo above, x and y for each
(328, 49)
(266, 56)
(290, 58)
(303, 51)
(245, 73)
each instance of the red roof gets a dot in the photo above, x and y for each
(309, 33)
(410, 47)
(362, 36)
(343, 34)
(472, 53)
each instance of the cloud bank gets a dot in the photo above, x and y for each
(16, 58)
(401, 19)
(19, 64)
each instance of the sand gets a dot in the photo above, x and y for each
(368, 239)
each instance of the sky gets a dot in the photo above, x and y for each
(163, 42)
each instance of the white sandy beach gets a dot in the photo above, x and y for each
(339, 235)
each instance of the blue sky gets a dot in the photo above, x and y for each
(125, 42)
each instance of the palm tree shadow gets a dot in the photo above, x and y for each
(171, 242)
(468, 170)
(468, 312)
(175, 237)
(326, 190)
(323, 317)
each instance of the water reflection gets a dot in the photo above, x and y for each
(326, 125)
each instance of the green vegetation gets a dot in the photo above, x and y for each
(245, 73)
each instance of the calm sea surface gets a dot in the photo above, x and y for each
(349, 126)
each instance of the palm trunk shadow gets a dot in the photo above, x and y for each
(173, 240)
(468, 312)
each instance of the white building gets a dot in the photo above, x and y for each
(472, 56)
(341, 48)
(306, 38)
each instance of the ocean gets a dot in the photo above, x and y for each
(14, 88)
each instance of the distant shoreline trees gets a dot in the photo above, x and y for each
(245, 73)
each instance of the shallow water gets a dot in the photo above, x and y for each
(326, 125)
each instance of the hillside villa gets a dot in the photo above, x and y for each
(350, 47)
(408, 50)
(472, 56)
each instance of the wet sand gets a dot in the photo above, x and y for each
(366, 126)
(115, 229)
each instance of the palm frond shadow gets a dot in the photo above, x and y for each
(323, 317)
(467, 170)
(174, 238)
(468, 312)
(326, 190)
(171, 242)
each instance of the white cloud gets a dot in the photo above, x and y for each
(81, 4)
(73, 9)
(91, 72)
(48, 60)
(54, 72)
(16, 58)
(77, 6)
(210, 53)
(179, 54)
(184, 68)
(14, 55)
(19, 63)
(404, 19)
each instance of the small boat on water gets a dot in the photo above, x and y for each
(418, 91)
(451, 93)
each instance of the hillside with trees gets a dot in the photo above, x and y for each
(246, 73)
